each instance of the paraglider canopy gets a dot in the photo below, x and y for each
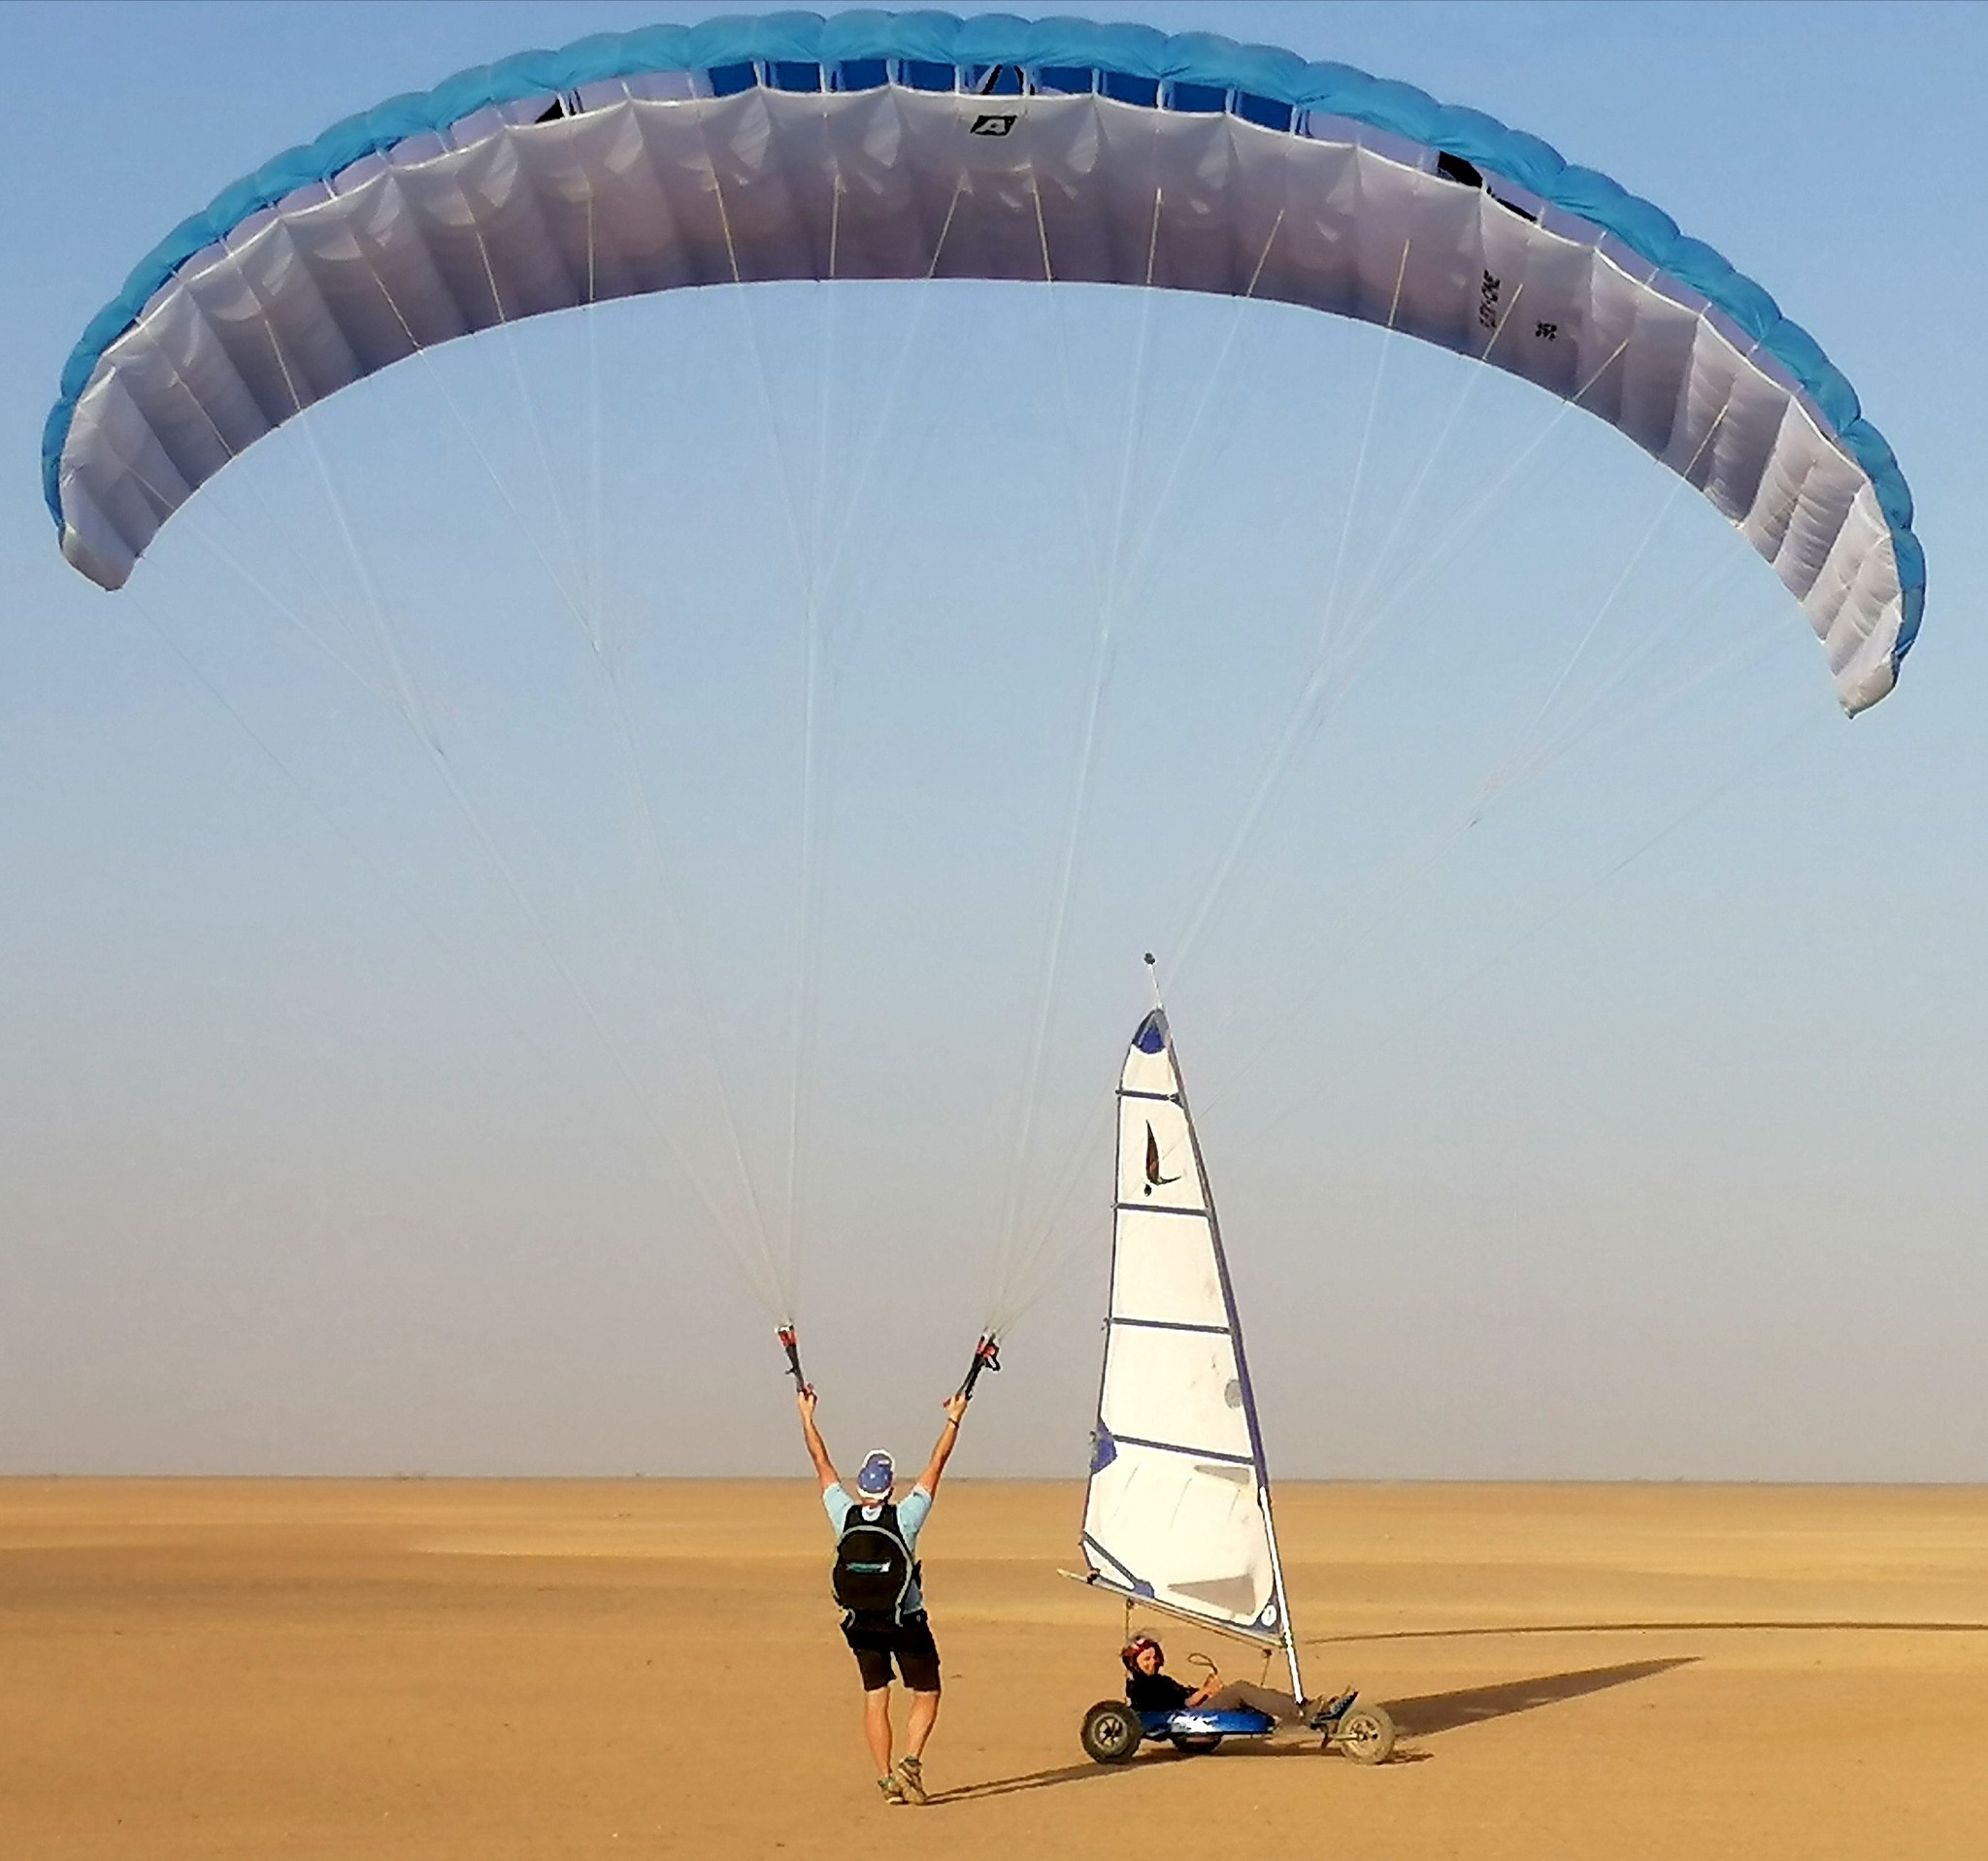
(906, 146)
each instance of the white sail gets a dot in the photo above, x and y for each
(1178, 1512)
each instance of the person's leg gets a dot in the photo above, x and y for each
(924, 1715)
(917, 1660)
(1245, 1695)
(877, 1725)
(873, 1665)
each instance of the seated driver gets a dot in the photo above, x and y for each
(1150, 1689)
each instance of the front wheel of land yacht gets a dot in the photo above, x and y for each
(1112, 1731)
(1366, 1735)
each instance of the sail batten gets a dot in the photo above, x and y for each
(1184, 1448)
(1177, 1512)
(1096, 1579)
(1167, 1324)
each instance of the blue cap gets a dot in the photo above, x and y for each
(878, 1475)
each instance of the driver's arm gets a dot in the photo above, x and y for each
(817, 1450)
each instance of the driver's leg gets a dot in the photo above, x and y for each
(1256, 1699)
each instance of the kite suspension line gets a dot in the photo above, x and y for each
(1330, 617)
(1239, 311)
(1531, 755)
(1080, 479)
(1528, 758)
(819, 565)
(817, 561)
(229, 560)
(536, 426)
(406, 695)
(1331, 677)
(410, 706)
(814, 803)
(1519, 761)
(588, 612)
(1473, 372)
(1080, 794)
(1002, 1303)
(372, 866)
(846, 524)
(1367, 915)
(818, 553)
(1321, 658)
(289, 614)
(1592, 730)
(807, 554)
(1361, 924)
(1448, 540)
(1749, 769)
(1019, 1279)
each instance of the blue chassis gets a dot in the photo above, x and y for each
(1192, 1724)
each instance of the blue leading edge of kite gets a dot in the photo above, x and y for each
(1846, 549)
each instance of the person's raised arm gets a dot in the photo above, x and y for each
(817, 1450)
(941, 1449)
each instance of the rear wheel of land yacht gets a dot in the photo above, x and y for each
(1111, 1731)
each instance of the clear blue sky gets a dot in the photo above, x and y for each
(1641, 1137)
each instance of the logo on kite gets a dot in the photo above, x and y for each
(1153, 1178)
(991, 125)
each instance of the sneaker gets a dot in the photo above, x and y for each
(1322, 1713)
(893, 1790)
(911, 1779)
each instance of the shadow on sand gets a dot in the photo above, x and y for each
(1431, 1713)
(1422, 1716)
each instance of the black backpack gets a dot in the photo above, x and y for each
(872, 1565)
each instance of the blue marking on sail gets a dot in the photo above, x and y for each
(1137, 1584)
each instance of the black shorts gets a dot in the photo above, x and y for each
(910, 1642)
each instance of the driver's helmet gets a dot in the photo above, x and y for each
(1137, 1646)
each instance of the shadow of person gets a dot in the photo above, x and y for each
(1427, 1713)
(1049, 1780)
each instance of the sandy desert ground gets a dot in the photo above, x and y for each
(460, 1669)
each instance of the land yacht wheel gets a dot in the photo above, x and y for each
(1112, 1731)
(1365, 1734)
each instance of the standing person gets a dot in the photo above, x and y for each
(877, 1576)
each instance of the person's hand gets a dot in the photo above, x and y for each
(955, 1407)
(805, 1402)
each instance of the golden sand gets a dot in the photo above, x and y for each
(494, 1669)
